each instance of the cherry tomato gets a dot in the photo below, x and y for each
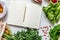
(54, 1)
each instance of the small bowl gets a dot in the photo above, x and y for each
(4, 10)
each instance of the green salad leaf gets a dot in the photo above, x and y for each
(55, 32)
(52, 12)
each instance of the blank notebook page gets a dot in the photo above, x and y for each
(16, 13)
(32, 16)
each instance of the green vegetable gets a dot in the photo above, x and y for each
(30, 34)
(58, 16)
(52, 12)
(7, 37)
(55, 32)
(50, 15)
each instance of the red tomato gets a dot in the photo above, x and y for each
(54, 1)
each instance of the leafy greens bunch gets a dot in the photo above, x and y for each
(30, 34)
(55, 32)
(52, 12)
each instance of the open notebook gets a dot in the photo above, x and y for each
(23, 14)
